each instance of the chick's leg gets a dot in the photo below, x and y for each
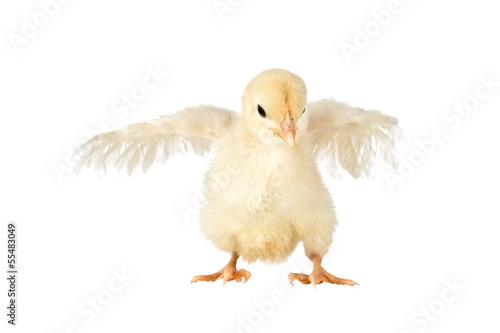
(228, 273)
(318, 275)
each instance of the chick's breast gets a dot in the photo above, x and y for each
(261, 203)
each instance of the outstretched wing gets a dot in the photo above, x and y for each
(351, 138)
(140, 144)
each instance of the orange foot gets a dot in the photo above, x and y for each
(318, 275)
(228, 273)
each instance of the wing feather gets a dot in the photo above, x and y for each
(350, 138)
(142, 144)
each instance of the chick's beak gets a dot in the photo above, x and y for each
(287, 130)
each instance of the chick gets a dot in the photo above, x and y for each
(263, 191)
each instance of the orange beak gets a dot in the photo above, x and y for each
(287, 130)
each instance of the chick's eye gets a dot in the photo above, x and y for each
(303, 111)
(261, 111)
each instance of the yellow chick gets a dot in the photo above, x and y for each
(263, 191)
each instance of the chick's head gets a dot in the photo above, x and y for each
(272, 106)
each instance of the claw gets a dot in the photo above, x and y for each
(313, 282)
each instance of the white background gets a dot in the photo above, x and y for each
(438, 223)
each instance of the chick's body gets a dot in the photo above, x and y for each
(261, 201)
(263, 191)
